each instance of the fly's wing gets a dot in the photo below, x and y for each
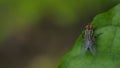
(84, 49)
(93, 49)
(86, 45)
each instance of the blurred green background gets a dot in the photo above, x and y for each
(37, 33)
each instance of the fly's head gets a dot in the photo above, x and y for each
(89, 27)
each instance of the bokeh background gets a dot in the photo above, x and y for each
(37, 33)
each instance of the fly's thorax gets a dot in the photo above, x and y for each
(88, 34)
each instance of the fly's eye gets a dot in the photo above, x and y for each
(86, 27)
(91, 27)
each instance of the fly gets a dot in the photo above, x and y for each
(89, 40)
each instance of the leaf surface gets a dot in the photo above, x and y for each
(108, 44)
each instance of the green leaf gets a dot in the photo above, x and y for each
(108, 44)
